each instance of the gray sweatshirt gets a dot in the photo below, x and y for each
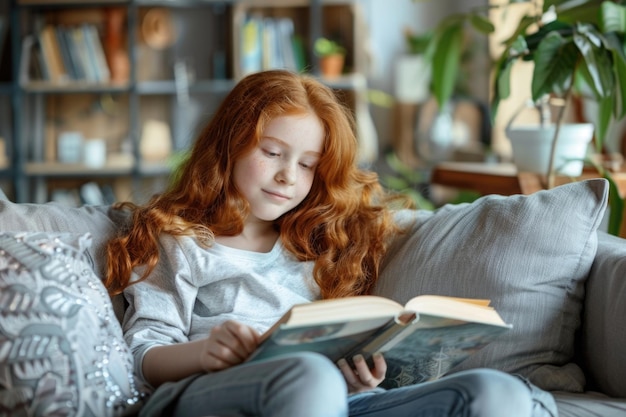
(193, 289)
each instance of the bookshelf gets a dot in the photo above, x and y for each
(152, 71)
(6, 108)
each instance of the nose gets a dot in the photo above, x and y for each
(287, 173)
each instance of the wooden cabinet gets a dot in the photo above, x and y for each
(104, 95)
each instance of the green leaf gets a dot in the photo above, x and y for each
(597, 60)
(616, 204)
(324, 47)
(395, 183)
(517, 48)
(446, 59)
(481, 23)
(503, 80)
(534, 40)
(571, 11)
(614, 44)
(555, 61)
(605, 112)
(612, 17)
(502, 84)
(620, 71)
(380, 98)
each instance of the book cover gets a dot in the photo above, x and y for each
(433, 347)
(65, 52)
(285, 39)
(82, 51)
(251, 45)
(52, 54)
(96, 52)
(27, 64)
(420, 341)
(74, 56)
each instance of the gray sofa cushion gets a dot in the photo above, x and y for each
(589, 404)
(529, 254)
(604, 342)
(61, 349)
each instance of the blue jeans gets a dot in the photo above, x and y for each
(309, 385)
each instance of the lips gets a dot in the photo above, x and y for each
(277, 195)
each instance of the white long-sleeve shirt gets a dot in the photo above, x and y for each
(193, 289)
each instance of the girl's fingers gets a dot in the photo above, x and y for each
(380, 366)
(363, 371)
(362, 378)
(348, 373)
(245, 336)
(228, 344)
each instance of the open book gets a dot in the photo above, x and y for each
(421, 340)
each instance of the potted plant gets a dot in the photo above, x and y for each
(577, 48)
(331, 57)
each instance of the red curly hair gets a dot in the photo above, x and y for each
(343, 224)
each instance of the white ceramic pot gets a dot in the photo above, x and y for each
(531, 147)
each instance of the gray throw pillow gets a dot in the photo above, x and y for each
(101, 222)
(61, 347)
(530, 255)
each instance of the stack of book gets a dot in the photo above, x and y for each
(68, 53)
(270, 43)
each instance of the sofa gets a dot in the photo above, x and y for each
(542, 259)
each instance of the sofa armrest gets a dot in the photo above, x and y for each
(603, 330)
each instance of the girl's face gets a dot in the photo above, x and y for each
(278, 174)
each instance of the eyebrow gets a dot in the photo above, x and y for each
(283, 143)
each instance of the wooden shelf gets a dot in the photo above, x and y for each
(504, 179)
(46, 46)
(73, 87)
(57, 169)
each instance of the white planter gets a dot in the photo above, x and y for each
(531, 147)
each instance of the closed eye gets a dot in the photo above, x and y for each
(308, 165)
(270, 153)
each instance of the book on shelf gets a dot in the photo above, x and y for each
(273, 52)
(420, 341)
(29, 62)
(96, 53)
(268, 43)
(65, 52)
(65, 40)
(51, 52)
(251, 45)
(286, 41)
(78, 42)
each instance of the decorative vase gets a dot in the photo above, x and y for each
(531, 145)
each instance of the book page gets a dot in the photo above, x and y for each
(343, 309)
(456, 308)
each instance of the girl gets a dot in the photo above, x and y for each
(269, 210)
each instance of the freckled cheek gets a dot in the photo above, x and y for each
(307, 182)
(259, 167)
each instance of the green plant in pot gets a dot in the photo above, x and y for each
(577, 47)
(331, 56)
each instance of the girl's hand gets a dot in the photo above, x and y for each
(228, 344)
(362, 378)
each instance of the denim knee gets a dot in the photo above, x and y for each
(310, 383)
(493, 392)
(315, 368)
